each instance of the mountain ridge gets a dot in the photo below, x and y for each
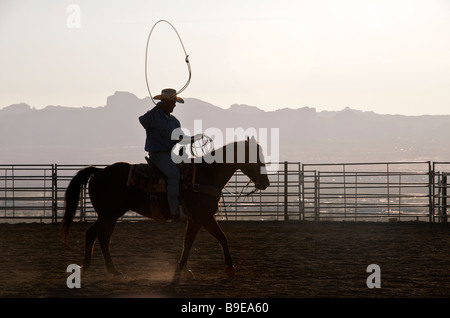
(110, 133)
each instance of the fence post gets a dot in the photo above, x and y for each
(53, 194)
(444, 199)
(317, 196)
(356, 195)
(286, 215)
(430, 192)
(13, 191)
(301, 207)
(345, 190)
(388, 189)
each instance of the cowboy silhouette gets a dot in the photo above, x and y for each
(159, 123)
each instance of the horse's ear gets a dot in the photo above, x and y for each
(253, 139)
(248, 138)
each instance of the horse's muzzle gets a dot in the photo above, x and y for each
(262, 185)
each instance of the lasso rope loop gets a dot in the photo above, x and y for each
(186, 59)
(206, 144)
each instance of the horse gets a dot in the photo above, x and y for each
(112, 198)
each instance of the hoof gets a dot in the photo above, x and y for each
(187, 274)
(115, 273)
(230, 271)
(85, 265)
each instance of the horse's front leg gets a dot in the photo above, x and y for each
(214, 229)
(192, 229)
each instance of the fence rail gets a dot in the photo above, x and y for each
(346, 191)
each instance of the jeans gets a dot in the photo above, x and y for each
(164, 162)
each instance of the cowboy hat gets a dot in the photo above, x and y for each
(169, 94)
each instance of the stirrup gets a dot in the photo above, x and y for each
(184, 215)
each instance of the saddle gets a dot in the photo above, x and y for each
(146, 177)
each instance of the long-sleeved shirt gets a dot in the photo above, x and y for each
(159, 128)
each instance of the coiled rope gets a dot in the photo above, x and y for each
(186, 59)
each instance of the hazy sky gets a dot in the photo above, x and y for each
(388, 56)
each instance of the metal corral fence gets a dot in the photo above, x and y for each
(36, 193)
(361, 191)
(345, 191)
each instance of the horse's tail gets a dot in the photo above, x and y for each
(72, 198)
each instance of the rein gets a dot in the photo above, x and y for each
(214, 190)
(242, 194)
(248, 193)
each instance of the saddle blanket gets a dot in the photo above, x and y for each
(146, 178)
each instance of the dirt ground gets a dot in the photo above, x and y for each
(273, 259)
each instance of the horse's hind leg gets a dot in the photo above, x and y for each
(104, 239)
(214, 229)
(91, 235)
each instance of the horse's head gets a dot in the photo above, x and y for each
(254, 165)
